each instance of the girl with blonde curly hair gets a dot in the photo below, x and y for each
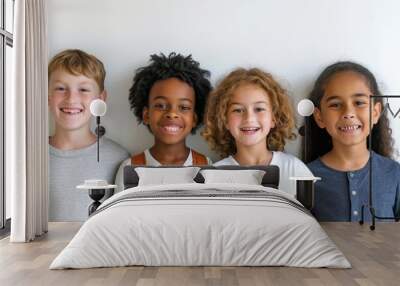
(248, 120)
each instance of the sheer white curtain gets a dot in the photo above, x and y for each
(27, 124)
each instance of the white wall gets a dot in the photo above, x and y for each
(292, 39)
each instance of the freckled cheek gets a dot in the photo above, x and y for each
(55, 98)
(88, 100)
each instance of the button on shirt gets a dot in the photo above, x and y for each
(340, 195)
(357, 179)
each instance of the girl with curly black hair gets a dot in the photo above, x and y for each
(339, 132)
(169, 96)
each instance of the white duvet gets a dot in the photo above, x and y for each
(209, 229)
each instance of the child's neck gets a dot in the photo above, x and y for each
(72, 140)
(170, 154)
(347, 158)
(254, 155)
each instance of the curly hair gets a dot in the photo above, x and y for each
(320, 141)
(215, 132)
(163, 67)
(78, 62)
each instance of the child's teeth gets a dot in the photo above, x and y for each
(172, 128)
(350, 128)
(71, 110)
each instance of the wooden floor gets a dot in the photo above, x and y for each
(374, 255)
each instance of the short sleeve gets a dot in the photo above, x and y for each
(301, 169)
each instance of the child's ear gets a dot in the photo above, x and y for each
(145, 115)
(103, 95)
(318, 118)
(376, 112)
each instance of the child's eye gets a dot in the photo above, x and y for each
(334, 105)
(237, 110)
(84, 90)
(259, 109)
(185, 108)
(59, 88)
(360, 103)
(160, 106)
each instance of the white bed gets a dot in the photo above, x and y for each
(201, 224)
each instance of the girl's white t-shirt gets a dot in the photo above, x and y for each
(289, 166)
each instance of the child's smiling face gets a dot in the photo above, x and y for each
(344, 109)
(170, 113)
(69, 99)
(249, 116)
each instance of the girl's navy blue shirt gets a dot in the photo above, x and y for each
(339, 195)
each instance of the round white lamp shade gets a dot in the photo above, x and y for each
(305, 107)
(98, 107)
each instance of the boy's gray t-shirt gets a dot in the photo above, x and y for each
(70, 168)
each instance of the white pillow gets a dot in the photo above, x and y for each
(249, 177)
(162, 176)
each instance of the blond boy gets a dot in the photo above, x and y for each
(75, 79)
